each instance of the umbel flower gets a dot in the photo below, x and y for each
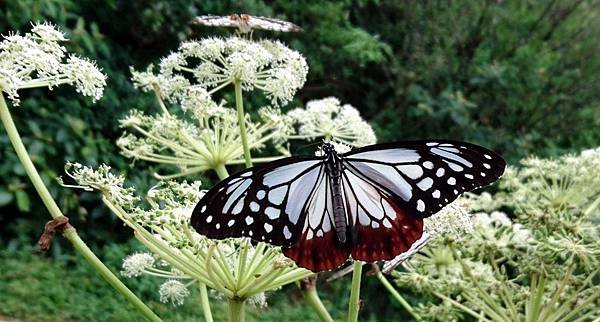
(235, 267)
(37, 59)
(200, 68)
(203, 143)
(329, 119)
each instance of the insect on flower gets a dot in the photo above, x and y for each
(368, 203)
(246, 23)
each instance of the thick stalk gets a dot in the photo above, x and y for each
(397, 296)
(236, 310)
(309, 288)
(221, 171)
(70, 233)
(205, 304)
(239, 104)
(354, 304)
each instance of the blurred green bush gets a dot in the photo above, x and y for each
(519, 77)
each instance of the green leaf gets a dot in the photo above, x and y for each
(23, 201)
(5, 198)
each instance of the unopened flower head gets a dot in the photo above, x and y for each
(328, 118)
(266, 65)
(37, 59)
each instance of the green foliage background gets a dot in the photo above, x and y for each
(520, 77)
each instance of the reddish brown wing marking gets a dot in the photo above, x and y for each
(319, 253)
(317, 248)
(382, 228)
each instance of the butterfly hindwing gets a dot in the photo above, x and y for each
(425, 176)
(318, 248)
(381, 228)
(264, 203)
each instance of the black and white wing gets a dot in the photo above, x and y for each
(266, 203)
(425, 176)
(217, 21)
(267, 23)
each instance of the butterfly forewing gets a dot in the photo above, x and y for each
(264, 203)
(425, 176)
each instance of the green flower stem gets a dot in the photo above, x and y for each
(311, 296)
(239, 104)
(69, 233)
(397, 296)
(354, 304)
(236, 310)
(221, 171)
(205, 304)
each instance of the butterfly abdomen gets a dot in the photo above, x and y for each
(339, 212)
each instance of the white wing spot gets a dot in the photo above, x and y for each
(250, 233)
(482, 174)
(218, 226)
(428, 165)
(412, 171)
(435, 194)
(286, 232)
(209, 219)
(487, 166)
(455, 192)
(277, 195)
(272, 213)
(247, 174)
(440, 172)
(260, 194)
(454, 166)
(420, 205)
(432, 144)
(469, 176)
(319, 233)
(231, 222)
(425, 184)
(375, 224)
(309, 235)
(487, 156)
(451, 156)
(387, 223)
(203, 208)
(451, 181)
(249, 220)
(238, 206)
(268, 227)
(254, 206)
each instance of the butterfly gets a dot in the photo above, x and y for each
(246, 23)
(368, 203)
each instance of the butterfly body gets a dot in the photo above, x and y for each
(368, 203)
(333, 170)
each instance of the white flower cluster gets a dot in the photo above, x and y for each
(328, 118)
(498, 229)
(266, 65)
(173, 291)
(453, 221)
(136, 264)
(103, 180)
(200, 145)
(37, 59)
